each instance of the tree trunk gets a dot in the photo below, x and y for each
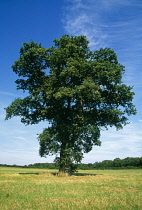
(65, 161)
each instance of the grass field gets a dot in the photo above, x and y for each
(39, 189)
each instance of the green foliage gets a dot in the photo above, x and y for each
(117, 163)
(76, 90)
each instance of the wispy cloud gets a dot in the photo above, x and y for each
(8, 93)
(122, 144)
(80, 19)
(18, 140)
(115, 24)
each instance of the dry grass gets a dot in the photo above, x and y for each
(102, 191)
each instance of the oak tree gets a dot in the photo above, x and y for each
(78, 91)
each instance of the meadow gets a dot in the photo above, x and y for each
(29, 189)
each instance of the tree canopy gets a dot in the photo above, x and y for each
(78, 91)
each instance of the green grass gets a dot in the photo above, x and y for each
(31, 189)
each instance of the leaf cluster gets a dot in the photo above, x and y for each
(78, 91)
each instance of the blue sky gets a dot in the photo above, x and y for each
(106, 23)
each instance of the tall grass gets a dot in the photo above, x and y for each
(29, 189)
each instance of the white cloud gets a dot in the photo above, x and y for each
(122, 144)
(115, 24)
(79, 20)
(8, 93)
(18, 143)
(22, 157)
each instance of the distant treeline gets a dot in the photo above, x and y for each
(127, 163)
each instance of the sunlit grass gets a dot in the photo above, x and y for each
(40, 189)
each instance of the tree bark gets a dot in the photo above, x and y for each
(65, 162)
